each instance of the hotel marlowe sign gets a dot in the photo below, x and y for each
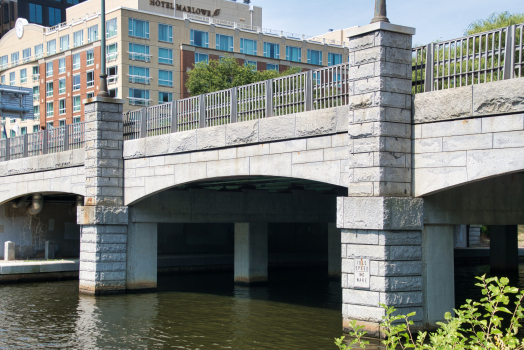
(189, 9)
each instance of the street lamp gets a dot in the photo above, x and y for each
(380, 12)
(103, 76)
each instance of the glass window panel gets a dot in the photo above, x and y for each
(139, 75)
(64, 43)
(36, 128)
(78, 38)
(35, 13)
(14, 58)
(23, 75)
(199, 38)
(165, 97)
(90, 57)
(3, 62)
(112, 52)
(272, 67)
(61, 86)
(165, 33)
(61, 107)
(51, 47)
(92, 33)
(49, 69)
(39, 51)
(165, 78)
(76, 61)
(224, 42)
(293, 54)
(76, 82)
(201, 57)
(111, 28)
(138, 28)
(76, 103)
(138, 97)
(2, 79)
(12, 78)
(90, 79)
(165, 55)
(55, 16)
(272, 50)
(61, 66)
(49, 89)
(26, 55)
(249, 47)
(138, 52)
(49, 109)
(314, 57)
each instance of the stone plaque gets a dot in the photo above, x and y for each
(362, 273)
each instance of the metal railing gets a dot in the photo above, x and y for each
(474, 59)
(306, 91)
(54, 140)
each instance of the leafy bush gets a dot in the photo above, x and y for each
(476, 326)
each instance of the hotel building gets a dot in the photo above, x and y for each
(151, 44)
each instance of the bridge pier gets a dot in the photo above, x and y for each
(504, 249)
(334, 251)
(251, 253)
(142, 257)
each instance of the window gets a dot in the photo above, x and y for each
(36, 127)
(61, 86)
(61, 66)
(112, 74)
(111, 28)
(314, 57)
(334, 59)
(92, 33)
(64, 43)
(224, 42)
(36, 93)
(76, 61)
(113, 93)
(199, 38)
(14, 58)
(139, 97)
(272, 67)
(61, 106)
(39, 51)
(35, 13)
(138, 28)
(293, 54)
(90, 79)
(201, 57)
(165, 77)
(3, 62)
(61, 122)
(165, 33)
(76, 120)
(13, 133)
(76, 103)
(12, 78)
(78, 38)
(111, 52)
(26, 55)
(23, 76)
(6, 12)
(76, 82)
(36, 73)
(90, 57)
(139, 75)
(55, 16)
(23, 130)
(165, 97)
(253, 63)
(73, 2)
(272, 50)
(90, 94)
(49, 109)
(49, 125)
(51, 47)
(49, 69)
(139, 52)
(249, 47)
(165, 55)
(2, 79)
(49, 89)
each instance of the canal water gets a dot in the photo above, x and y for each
(296, 310)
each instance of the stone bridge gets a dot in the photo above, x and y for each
(394, 171)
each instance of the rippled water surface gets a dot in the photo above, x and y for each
(296, 310)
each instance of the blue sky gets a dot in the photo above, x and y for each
(436, 19)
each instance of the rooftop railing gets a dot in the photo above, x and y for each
(316, 89)
(54, 140)
(474, 59)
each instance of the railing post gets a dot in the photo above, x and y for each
(509, 53)
(7, 148)
(202, 114)
(174, 119)
(66, 138)
(44, 141)
(430, 71)
(234, 105)
(143, 123)
(269, 98)
(26, 151)
(309, 90)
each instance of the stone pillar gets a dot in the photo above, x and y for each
(103, 218)
(251, 254)
(504, 249)
(334, 253)
(381, 258)
(142, 257)
(438, 273)
(49, 250)
(9, 251)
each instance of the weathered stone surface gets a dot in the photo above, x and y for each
(277, 128)
(429, 180)
(443, 105)
(452, 128)
(513, 122)
(211, 137)
(396, 268)
(100, 215)
(396, 284)
(360, 297)
(318, 122)
(242, 133)
(504, 96)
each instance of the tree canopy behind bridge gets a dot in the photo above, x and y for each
(226, 73)
(495, 21)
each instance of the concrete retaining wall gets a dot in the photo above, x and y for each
(44, 162)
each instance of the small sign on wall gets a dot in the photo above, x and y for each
(362, 273)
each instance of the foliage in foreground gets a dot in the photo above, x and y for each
(227, 73)
(476, 326)
(495, 21)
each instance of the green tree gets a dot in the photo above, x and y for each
(494, 21)
(227, 73)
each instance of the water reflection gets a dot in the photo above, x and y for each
(296, 310)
